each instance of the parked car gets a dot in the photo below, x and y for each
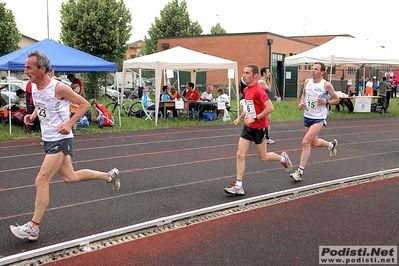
(113, 94)
(9, 95)
(109, 92)
(14, 80)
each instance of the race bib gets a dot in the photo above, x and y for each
(311, 104)
(43, 113)
(250, 108)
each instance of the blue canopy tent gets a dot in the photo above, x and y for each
(62, 58)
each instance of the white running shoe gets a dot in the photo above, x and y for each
(234, 190)
(25, 231)
(116, 183)
(333, 150)
(288, 164)
(297, 176)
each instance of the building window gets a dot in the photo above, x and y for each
(352, 71)
(329, 70)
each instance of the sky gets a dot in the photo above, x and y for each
(283, 17)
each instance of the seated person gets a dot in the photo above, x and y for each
(165, 94)
(346, 101)
(97, 110)
(192, 95)
(165, 97)
(207, 97)
(20, 93)
(186, 89)
(147, 102)
(174, 94)
(223, 97)
(207, 94)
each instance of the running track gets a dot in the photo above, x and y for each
(170, 171)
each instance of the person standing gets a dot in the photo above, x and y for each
(315, 100)
(362, 84)
(265, 82)
(74, 80)
(394, 88)
(389, 89)
(369, 88)
(375, 86)
(52, 100)
(30, 107)
(257, 107)
(382, 91)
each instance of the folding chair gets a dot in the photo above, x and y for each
(149, 114)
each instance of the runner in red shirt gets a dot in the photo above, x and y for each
(257, 107)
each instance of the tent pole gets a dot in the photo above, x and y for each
(123, 85)
(119, 98)
(230, 88)
(332, 61)
(364, 76)
(9, 99)
(178, 81)
(285, 72)
(238, 93)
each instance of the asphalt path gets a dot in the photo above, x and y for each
(169, 171)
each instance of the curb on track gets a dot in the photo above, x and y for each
(129, 233)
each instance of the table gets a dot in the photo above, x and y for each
(200, 105)
(363, 103)
(167, 104)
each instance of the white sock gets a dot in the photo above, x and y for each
(300, 168)
(282, 160)
(110, 178)
(330, 145)
(238, 183)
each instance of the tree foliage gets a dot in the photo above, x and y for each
(174, 21)
(99, 27)
(217, 29)
(9, 31)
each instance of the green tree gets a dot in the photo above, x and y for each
(9, 31)
(99, 27)
(174, 21)
(217, 29)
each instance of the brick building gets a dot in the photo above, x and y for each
(262, 49)
(134, 49)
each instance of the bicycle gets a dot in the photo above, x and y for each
(112, 106)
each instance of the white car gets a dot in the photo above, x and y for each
(113, 94)
(9, 95)
(110, 93)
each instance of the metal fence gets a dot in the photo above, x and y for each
(215, 78)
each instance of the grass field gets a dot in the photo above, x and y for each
(284, 111)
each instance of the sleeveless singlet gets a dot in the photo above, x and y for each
(51, 112)
(312, 92)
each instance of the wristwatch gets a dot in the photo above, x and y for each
(255, 118)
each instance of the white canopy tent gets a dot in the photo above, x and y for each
(178, 58)
(345, 51)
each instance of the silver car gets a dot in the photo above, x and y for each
(9, 95)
